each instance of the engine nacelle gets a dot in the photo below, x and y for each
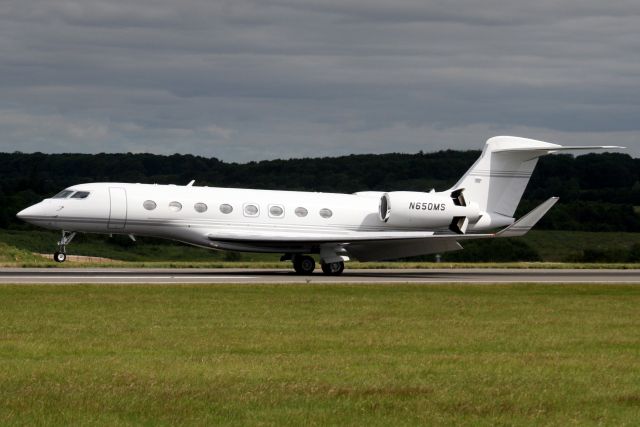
(428, 210)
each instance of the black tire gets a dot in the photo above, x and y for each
(59, 257)
(304, 265)
(333, 268)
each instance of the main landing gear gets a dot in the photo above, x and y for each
(333, 268)
(305, 265)
(61, 254)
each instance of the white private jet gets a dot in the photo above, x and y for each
(368, 225)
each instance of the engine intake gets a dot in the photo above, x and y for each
(407, 209)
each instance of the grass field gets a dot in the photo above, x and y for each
(560, 245)
(311, 355)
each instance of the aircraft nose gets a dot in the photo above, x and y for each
(29, 212)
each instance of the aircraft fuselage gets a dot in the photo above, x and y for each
(191, 214)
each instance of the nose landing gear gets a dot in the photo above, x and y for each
(61, 254)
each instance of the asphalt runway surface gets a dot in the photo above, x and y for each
(213, 276)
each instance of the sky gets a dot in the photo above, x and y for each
(246, 80)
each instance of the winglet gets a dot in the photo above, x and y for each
(524, 224)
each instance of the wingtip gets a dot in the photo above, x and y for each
(528, 221)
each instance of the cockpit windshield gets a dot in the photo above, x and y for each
(63, 194)
(80, 195)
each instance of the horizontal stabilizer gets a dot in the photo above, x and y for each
(553, 148)
(524, 224)
(507, 144)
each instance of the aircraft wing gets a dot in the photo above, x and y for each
(524, 224)
(364, 245)
(373, 245)
(339, 237)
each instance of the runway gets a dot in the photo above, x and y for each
(221, 276)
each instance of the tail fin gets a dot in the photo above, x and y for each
(497, 180)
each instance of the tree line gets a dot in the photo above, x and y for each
(597, 191)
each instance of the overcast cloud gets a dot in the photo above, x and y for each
(248, 80)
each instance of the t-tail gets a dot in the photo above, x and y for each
(497, 180)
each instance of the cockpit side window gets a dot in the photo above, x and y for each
(80, 195)
(63, 194)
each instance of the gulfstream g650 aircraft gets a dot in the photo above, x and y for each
(367, 225)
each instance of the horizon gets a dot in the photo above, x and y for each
(421, 152)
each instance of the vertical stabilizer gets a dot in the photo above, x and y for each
(497, 180)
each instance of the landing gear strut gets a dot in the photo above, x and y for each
(304, 264)
(61, 254)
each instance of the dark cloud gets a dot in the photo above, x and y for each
(244, 80)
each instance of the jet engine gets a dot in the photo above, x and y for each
(408, 209)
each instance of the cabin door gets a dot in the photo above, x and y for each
(118, 208)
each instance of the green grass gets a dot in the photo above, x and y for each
(316, 355)
(562, 245)
(10, 255)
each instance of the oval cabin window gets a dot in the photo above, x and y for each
(276, 211)
(251, 210)
(326, 213)
(301, 212)
(200, 207)
(226, 209)
(149, 205)
(175, 206)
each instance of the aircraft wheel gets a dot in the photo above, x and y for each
(304, 264)
(59, 257)
(333, 268)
